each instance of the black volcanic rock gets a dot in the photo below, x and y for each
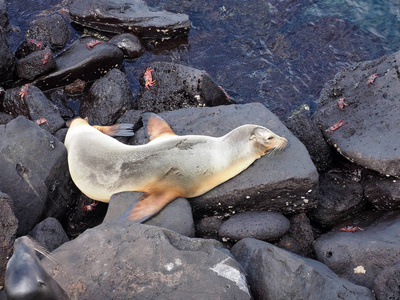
(178, 86)
(370, 133)
(81, 61)
(119, 16)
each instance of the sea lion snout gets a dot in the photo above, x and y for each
(268, 141)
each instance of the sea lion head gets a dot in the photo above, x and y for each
(264, 141)
(25, 276)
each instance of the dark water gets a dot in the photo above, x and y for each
(276, 52)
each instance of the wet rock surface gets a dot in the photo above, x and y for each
(51, 30)
(174, 86)
(370, 134)
(103, 261)
(35, 64)
(118, 16)
(34, 172)
(107, 99)
(267, 226)
(284, 182)
(269, 268)
(7, 59)
(28, 47)
(9, 225)
(130, 44)
(78, 61)
(29, 101)
(360, 256)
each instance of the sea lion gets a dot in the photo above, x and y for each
(26, 279)
(169, 166)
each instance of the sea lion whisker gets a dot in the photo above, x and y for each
(40, 249)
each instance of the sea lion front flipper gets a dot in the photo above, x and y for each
(156, 126)
(148, 206)
(123, 129)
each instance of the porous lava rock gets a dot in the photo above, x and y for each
(361, 255)
(174, 86)
(370, 133)
(108, 98)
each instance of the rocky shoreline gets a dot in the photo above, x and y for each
(317, 220)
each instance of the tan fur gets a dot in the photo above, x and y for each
(169, 166)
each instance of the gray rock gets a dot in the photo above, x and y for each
(176, 216)
(27, 47)
(130, 44)
(382, 192)
(362, 255)
(284, 182)
(34, 105)
(34, 172)
(51, 30)
(262, 225)
(5, 118)
(145, 262)
(35, 64)
(208, 227)
(301, 125)
(274, 273)
(135, 16)
(339, 197)
(387, 283)
(3, 14)
(9, 225)
(49, 233)
(7, 59)
(177, 86)
(77, 61)
(370, 135)
(107, 99)
(300, 238)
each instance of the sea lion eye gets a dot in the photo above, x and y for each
(270, 138)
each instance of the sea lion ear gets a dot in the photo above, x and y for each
(156, 126)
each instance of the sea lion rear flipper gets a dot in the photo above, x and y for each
(149, 205)
(156, 126)
(123, 129)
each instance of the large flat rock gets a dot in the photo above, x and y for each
(371, 133)
(134, 16)
(285, 181)
(135, 261)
